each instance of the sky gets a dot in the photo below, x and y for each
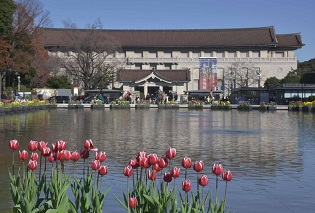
(287, 16)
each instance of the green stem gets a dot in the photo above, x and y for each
(13, 162)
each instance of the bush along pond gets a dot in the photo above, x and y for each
(43, 184)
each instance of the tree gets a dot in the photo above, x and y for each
(87, 63)
(272, 82)
(7, 8)
(20, 47)
(292, 77)
(308, 78)
(57, 82)
(244, 74)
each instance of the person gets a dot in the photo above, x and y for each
(211, 97)
(175, 96)
(100, 97)
(3, 96)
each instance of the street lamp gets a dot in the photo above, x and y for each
(19, 81)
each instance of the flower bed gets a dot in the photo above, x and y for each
(221, 105)
(195, 105)
(149, 174)
(244, 105)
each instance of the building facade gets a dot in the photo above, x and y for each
(170, 59)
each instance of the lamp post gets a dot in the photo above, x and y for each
(19, 81)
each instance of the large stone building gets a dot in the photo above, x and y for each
(170, 59)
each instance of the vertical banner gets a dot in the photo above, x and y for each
(208, 73)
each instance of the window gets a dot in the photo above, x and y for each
(167, 55)
(195, 55)
(152, 55)
(244, 54)
(256, 55)
(137, 55)
(232, 54)
(219, 55)
(279, 54)
(184, 55)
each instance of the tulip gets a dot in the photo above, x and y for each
(171, 153)
(32, 145)
(217, 169)
(34, 156)
(156, 167)
(32, 165)
(100, 156)
(14, 144)
(63, 155)
(142, 154)
(132, 202)
(52, 158)
(167, 177)
(128, 171)
(175, 172)
(41, 145)
(186, 162)
(163, 162)
(96, 164)
(59, 146)
(134, 163)
(227, 176)
(88, 145)
(143, 162)
(103, 170)
(186, 186)
(152, 176)
(153, 159)
(203, 180)
(84, 154)
(23, 155)
(45, 151)
(198, 166)
(75, 156)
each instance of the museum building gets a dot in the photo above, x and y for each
(171, 60)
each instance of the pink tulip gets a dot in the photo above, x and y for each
(23, 155)
(217, 169)
(203, 180)
(171, 153)
(198, 166)
(45, 151)
(132, 202)
(88, 145)
(75, 156)
(186, 186)
(227, 176)
(96, 164)
(103, 170)
(152, 175)
(167, 177)
(101, 156)
(128, 171)
(134, 163)
(34, 156)
(14, 144)
(163, 162)
(32, 145)
(175, 172)
(186, 162)
(32, 165)
(153, 159)
(41, 145)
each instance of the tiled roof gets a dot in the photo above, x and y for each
(289, 40)
(131, 75)
(215, 38)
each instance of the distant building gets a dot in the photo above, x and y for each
(170, 59)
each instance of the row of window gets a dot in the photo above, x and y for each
(186, 54)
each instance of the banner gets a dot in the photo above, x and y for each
(208, 74)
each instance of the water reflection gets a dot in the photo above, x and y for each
(270, 154)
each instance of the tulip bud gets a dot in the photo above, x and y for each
(32, 145)
(217, 169)
(96, 164)
(84, 154)
(203, 180)
(32, 165)
(156, 167)
(171, 153)
(75, 156)
(153, 159)
(134, 163)
(45, 151)
(51, 158)
(175, 172)
(88, 145)
(132, 202)
(186, 186)
(41, 145)
(128, 171)
(101, 156)
(186, 162)
(152, 176)
(167, 177)
(198, 166)
(103, 170)
(14, 144)
(34, 156)
(227, 176)
(23, 155)
(163, 162)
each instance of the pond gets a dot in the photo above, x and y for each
(271, 154)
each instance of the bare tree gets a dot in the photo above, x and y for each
(89, 51)
(244, 74)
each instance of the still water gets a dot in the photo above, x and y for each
(271, 154)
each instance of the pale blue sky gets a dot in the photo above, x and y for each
(288, 16)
